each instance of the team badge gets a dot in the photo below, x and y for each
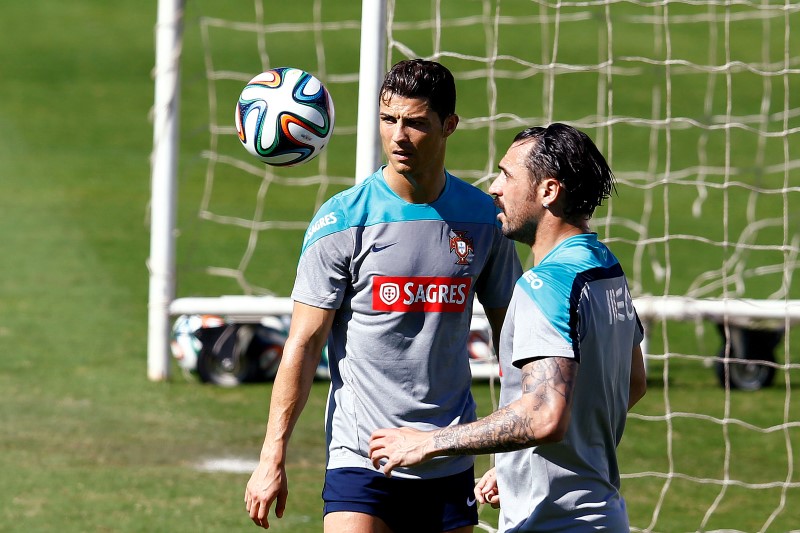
(462, 246)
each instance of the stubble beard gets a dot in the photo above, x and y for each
(525, 230)
(524, 233)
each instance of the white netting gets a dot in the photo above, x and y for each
(696, 105)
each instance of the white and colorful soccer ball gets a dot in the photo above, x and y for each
(284, 116)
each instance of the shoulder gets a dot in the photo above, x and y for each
(579, 253)
(329, 219)
(348, 208)
(469, 203)
(333, 215)
(469, 192)
(575, 262)
(550, 282)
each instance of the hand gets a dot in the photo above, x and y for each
(267, 483)
(398, 447)
(486, 490)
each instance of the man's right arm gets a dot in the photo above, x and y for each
(301, 355)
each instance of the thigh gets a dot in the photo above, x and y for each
(339, 521)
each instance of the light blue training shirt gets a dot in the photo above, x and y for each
(575, 303)
(402, 278)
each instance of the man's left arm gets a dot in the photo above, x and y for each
(495, 316)
(540, 415)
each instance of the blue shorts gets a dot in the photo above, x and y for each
(419, 505)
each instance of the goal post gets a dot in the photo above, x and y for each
(164, 164)
(372, 61)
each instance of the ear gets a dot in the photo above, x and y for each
(550, 190)
(450, 124)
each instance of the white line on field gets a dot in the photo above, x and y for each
(232, 465)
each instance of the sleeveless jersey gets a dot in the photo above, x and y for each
(575, 303)
(402, 278)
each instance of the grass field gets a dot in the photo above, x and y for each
(89, 445)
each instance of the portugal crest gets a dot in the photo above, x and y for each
(389, 293)
(462, 246)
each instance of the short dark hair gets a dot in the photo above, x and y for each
(569, 155)
(418, 78)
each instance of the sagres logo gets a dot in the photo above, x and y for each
(433, 294)
(462, 246)
(321, 222)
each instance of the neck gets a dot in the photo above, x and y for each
(416, 189)
(552, 233)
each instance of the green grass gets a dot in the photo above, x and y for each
(88, 444)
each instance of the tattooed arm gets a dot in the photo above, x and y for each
(539, 416)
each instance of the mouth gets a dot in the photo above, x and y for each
(502, 212)
(401, 154)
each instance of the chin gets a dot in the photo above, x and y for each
(519, 234)
(402, 168)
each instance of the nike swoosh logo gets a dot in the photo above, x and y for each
(376, 248)
(470, 502)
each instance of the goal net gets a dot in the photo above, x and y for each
(696, 105)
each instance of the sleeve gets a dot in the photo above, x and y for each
(539, 330)
(323, 271)
(495, 285)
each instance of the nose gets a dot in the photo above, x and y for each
(495, 189)
(400, 133)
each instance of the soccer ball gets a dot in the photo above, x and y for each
(284, 117)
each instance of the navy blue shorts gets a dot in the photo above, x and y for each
(419, 505)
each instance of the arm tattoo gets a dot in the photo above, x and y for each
(548, 377)
(502, 431)
(546, 383)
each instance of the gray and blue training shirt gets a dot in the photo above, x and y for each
(575, 303)
(402, 278)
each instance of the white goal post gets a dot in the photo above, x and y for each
(164, 164)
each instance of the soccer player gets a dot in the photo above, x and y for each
(570, 357)
(387, 275)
